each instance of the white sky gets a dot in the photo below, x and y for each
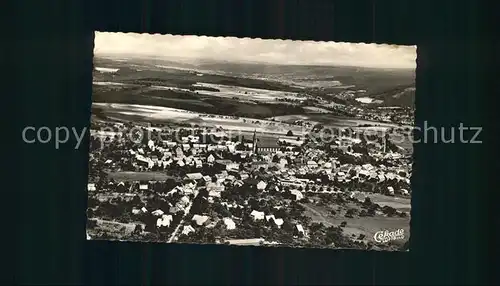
(256, 50)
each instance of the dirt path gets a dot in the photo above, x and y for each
(323, 219)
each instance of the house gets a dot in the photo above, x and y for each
(404, 192)
(279, 222)
(257, 215)
(298, 195)
(200, 219)
(178, 152)
(174, 209)
(157, 212)
(151, 144)
(175, 190)
(207, 179)
(229, 223)
(228, 164)
(292, 183)
(170, 144)
(144, 210)
(136, 211)
(143, 187)
(164, 221)
(390, 176)
(299, 230)
(381, 178)
(141, 161)
(221, 177)
(268, 217)
(259, 164)
(198, 163)
(312, 164)
(368, 167)
(188, 191)
(390, 191)
(214, 194)
(238, 183)
(283, 162)
(194, 176)
(290, 141)
(210, 159)
(261, 186)
(184, 201)
(187, 230)
(91, 187)
(243, 175)
(200, 146)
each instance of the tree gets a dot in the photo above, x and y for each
(287, 226)
(289, 133)
(333, 235)
(350, 213)
(91, 223)
(137, 229)
(203, 193)
(367, 202)
(315, 227)
(276, 159)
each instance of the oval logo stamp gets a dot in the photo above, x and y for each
(385, 236)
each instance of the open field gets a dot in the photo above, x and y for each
(192, 101)
(156, 114)
(116, 229)
(357, 225)
(332, 120)
(245, 93)
(401, 204)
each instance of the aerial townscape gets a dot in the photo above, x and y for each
(230, 152)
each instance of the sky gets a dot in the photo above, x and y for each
(255, 50)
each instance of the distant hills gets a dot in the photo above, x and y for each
(395, 87)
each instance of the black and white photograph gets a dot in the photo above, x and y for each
(251, 142)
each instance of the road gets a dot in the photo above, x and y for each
(323, 219)
(181, 223)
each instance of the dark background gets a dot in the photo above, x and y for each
(51, 60)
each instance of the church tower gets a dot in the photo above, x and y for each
(254, 144)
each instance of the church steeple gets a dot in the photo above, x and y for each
(254, 146)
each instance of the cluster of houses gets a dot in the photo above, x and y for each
(292, 167)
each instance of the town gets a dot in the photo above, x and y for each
(195, 184)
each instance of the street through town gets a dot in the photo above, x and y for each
(181, 223)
